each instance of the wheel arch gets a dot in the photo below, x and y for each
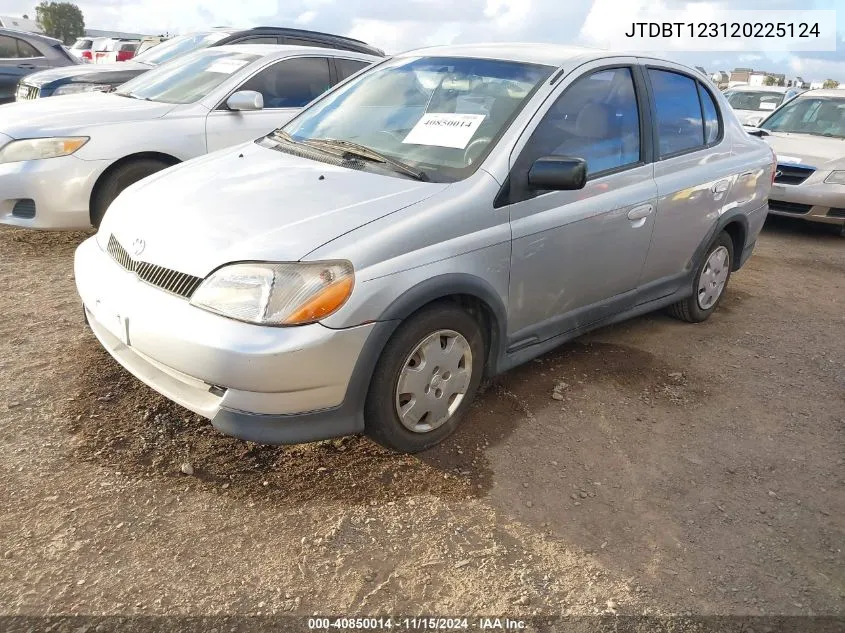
(475, 295)
(169, 159)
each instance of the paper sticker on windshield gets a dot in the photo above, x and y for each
(226, 66)
(444, 129)
(768, 105)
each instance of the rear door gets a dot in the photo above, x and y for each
(694, 171)
(286, 86)
(18, 58)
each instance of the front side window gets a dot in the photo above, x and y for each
(8, 47)
(596, 118)
(440, 115)
(178, 46)
(819, 116)
(679, 123)
(188, 79)
(291, 83)
(758, 101)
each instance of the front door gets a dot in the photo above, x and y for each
(576, 253)
(286, 86)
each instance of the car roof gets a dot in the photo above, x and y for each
(760, 89)
(824, 92)
(281, 50)
(303, 33)
(531, 53)
(28, 35)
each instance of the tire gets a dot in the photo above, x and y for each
(435, 389)
(702, 303)
(118, 180)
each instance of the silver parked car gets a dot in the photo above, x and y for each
(752, 104)
(808, 135)
(446, 215)
(63, 160)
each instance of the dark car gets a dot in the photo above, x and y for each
(88, 77)
(23, 53)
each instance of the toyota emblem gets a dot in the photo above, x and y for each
(138, 246)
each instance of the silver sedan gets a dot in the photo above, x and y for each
(446, 215)
(64, 160)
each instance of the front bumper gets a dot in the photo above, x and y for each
(58, 188)
(812, 201)
(267, 384)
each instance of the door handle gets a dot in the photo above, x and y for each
(721, 186)
(27, 66)
(640, 212)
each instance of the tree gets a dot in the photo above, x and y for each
(62, 20)
(769, 81)
(830, 83)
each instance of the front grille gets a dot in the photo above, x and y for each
(26, 93)
(789, 207)
(24, 209)
(169, 280)
(792, 174)
(836, 213)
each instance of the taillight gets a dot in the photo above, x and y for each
(123, 56)
(86, 55)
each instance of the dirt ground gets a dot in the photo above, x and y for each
(687, 469)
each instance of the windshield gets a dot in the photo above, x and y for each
(439, 115)
(821, 116)
(759, 101)
(187, 79)
(177, 46)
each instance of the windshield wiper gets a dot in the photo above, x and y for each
(362, 151)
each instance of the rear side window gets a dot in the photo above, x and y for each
(291, 83)
(296, 41)
(711, 116)
(259, 40)
(25, 49)
(348, 67)
(679, 123)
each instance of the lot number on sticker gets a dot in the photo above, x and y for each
(444, 129)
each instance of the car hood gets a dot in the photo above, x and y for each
(111, 74)
(71, 114)
(819, 152)
(250, 203)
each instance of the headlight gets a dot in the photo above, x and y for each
(71, 89)
(277, 294)
(836, 178)
(37, 148)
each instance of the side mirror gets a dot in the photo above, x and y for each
(558, 173)
(245, 100)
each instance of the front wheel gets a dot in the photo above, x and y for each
(118, 180)
(709, 284)
(425, 379)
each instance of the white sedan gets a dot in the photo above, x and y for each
(64, 160)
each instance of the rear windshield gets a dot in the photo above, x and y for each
(759, 101)
(82, 45)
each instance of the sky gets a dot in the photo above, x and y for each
(396, 25)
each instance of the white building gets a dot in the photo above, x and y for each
(20, 24)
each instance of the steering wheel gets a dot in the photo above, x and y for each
(475, 147)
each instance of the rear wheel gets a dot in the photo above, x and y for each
(709, 284)
(118, 180)
(425, 379)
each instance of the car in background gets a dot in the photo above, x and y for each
(149, 42)
(118, 51)
(808, 136)
(63, 161)
(107, 76)
(440, 218)
(752, 104)
(23, 53)
(83, 48)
